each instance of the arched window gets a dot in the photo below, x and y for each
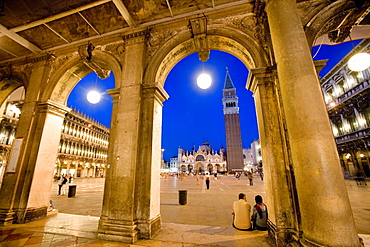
(199, 158)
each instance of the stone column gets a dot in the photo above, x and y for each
(281, 198)
(325, 211)
(147, 187)
(51, 117)
(26, 192)
(117, 221)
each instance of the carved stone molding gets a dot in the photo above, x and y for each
(198, 28)
(136, 37)
(249, 23)
(115, 48)
(54, 108)
(157, 37)
(173, 57)
(88, 60)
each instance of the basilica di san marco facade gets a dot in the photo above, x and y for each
(203, 160)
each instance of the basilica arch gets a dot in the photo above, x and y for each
(285, 85)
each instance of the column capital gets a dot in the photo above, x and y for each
(154, 90)
(320, 64)
(53, 107)
(135, 37)
(114, 93)
(259, 76)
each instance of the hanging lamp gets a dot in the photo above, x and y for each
(359, 61)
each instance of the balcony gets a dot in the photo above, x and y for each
(353, 136)
(349, 94)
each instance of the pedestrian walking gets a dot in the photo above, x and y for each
(208, 180)
(62, 181)
(250, 177)
(197, 177)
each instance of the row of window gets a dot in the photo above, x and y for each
(231, 104)
(343, 82)
(355, 122)
(82, 150)
(84, 133)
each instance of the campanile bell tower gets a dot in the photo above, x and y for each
(234, 150)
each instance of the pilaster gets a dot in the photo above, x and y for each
(23, 196)
(317, 172)
(147, 176)
(278, 177)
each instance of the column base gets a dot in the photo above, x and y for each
(6, 217)
(117, 230)
(282, 237)
(148, 229)
(308, 243)
(33, 214)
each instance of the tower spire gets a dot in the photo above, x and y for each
(228, 82)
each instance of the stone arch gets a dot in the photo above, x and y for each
(73, 70)
(229, 40)
(9, 82)
(218, 168)
(210, 168)
(325, 19)
(199, 167)
(200, 157)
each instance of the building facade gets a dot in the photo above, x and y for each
(347, 98)
(83, 147)
(256, 153)
(248, 159)
(10, 112)
(205, 159)
(173, 164)
(83, 143)
(232, 126)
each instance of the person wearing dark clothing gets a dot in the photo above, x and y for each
(62, 181)
(208, 179)
(250, 177)
(259, 216)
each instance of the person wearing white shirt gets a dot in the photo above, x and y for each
(242, 214)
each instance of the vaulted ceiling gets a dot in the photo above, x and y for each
(29, 27)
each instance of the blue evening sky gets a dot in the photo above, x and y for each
(192, 115)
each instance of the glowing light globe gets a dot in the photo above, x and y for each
(204, 81)
(93, 97)
(359, 62)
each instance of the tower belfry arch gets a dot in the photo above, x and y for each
(141, 54)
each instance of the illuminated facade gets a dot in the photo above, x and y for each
(8, 125)
(83, 143)
(248, 159)
(347, 95)
(83, 147)
(256, 153)
(205, 159)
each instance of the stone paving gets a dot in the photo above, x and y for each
(211, 207)
(204, 221)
